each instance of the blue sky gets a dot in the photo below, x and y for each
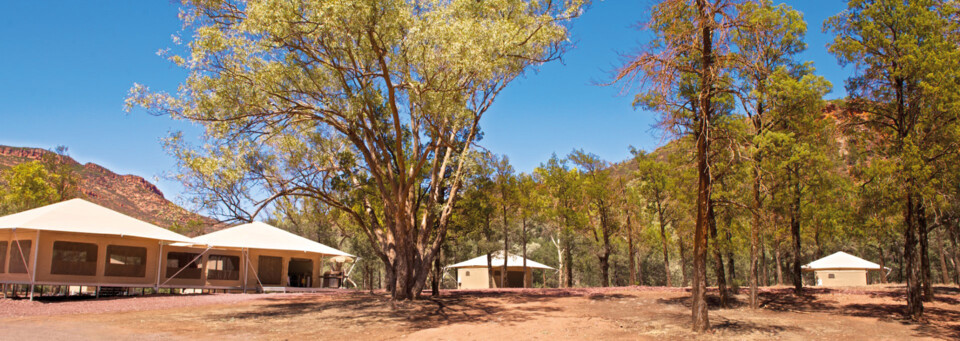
(67, 68)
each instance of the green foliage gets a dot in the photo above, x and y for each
(28, 185)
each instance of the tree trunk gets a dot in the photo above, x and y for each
(568, 249)
(506, 248)
(718, 258)
(523, 236)
(883, 264)
(492, 282)
(795, 234)
(912, 259)
(701, 321)
(764, 279)
(605, 256)
(640, 268)
(561, 262)
(924, 251)
(955, 240)
(755, 230)
(632, 252)
(776, 256)
(731, 268)
(437, 277)
(666, 251)
(683, 263)
(944, 270)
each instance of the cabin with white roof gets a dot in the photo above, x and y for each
(475, 273)
(841, 269)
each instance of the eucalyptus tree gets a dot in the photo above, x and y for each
(561, 184)
(905, 55)
(802, 147)
(681, 71)
(27, 185)
(767, 41)
(597, 186)
(654, 184)
(369, 106)
(506, 197)
(529, 207)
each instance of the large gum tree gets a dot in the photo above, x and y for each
(368, 106)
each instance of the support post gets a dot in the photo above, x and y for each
(156, 286)
(243, 254)
(33, 277)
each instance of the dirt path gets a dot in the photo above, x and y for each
(583, 314)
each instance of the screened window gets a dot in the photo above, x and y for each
(19, 256)
(223, 267)
(126, 261)
(467, 273)
(830, 276)
(71, 258)
(3, 257)
(182, 260)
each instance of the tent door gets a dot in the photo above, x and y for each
(300, 273)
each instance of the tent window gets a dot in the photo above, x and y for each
(3, 256)
(19, 256)
(178, 260)
(269, 269)
(830, 276)
(223, 267)
(71, 258)
(126, 261)
(467, 274)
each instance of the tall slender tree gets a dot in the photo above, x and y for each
(688, 58)
(905, 86)
(598, 190)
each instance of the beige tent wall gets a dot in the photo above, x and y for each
(44, 259)
(479, 277)
(841, 277)
(8, 236)
(254, 258)
(203, 281)
(473, 278)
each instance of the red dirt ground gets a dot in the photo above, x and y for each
(636, 313)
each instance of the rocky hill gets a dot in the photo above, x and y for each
(129, 194)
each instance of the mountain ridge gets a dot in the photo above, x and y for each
(126, 193)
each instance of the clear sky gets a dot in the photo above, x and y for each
(67, 66)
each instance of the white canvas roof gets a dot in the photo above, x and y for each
(497, 261)
(81, 216)
(258, 235)
(841, 260)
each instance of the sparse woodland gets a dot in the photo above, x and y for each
(357, 124)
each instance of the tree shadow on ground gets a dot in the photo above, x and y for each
(745, 327)
(936, 322)
(363, 309)
(713, 301)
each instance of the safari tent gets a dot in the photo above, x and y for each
(841, 269)
(258, 255)
(474, 273)
(78, 243)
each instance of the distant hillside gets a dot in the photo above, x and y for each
(129, 194)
